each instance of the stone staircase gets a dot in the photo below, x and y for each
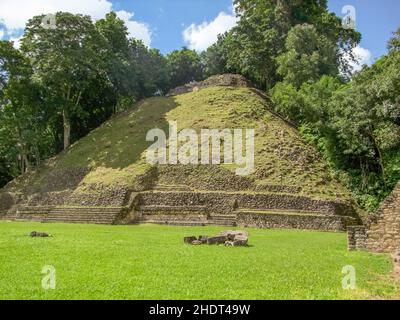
(94, 215)
(8, 216)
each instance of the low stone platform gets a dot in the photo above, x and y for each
(202, 208)
(258, 210)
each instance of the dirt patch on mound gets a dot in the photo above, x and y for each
(225, 80)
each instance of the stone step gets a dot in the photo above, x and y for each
(83, 216)
(33, 210)
(167, 187)
(223, 216)
(178, 223)
(97, 221)
(163, 208)
(7, 217)
(70, 209)
(61, 212)
(105, 222)
(231, 223)
(86, 217)
(223, 219)
(280, 212)
(173, 217)
(69, 215)
(89, 210)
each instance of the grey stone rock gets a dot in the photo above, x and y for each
(203, 239)
(217, 240)
(231, 234)
(189, 240)
(35, 234)
(240, 241)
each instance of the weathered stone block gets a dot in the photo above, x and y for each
(240, 241)
(35, 234)
(189, 240)
(217, 240)
(231, 234)
(203, 239)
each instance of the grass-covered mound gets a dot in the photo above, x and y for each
(112, 158)
(152, 262)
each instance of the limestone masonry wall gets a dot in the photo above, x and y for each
(357, 237)
(304, 222)
(383, 232)
(227, 202)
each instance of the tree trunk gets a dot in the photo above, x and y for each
(380, 156)
(67, 130)
(37, 155)
(25, 163)
(23, 154)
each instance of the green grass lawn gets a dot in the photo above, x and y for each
(151, 262)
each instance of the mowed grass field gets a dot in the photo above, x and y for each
(151, 262)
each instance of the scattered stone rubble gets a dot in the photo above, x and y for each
(229, 238)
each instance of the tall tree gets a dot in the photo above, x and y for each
(21, 118)
(121, 66)
(184, 66)
(66, 58)
(214, 59)
(151, 67)
(251, 48)
(307, 56)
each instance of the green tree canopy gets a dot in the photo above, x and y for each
(184, 66)
(66, 59)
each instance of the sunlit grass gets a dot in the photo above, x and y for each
(151, 262)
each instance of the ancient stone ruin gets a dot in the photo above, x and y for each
(228, 238)
(290, 188)
(381, 233)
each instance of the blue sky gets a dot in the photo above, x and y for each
(162, 23)
(376, 19)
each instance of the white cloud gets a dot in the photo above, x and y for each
(200, 37)
(363, 56)
(15, 13)
(1, 34)
(17, 42)
(138, 30)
